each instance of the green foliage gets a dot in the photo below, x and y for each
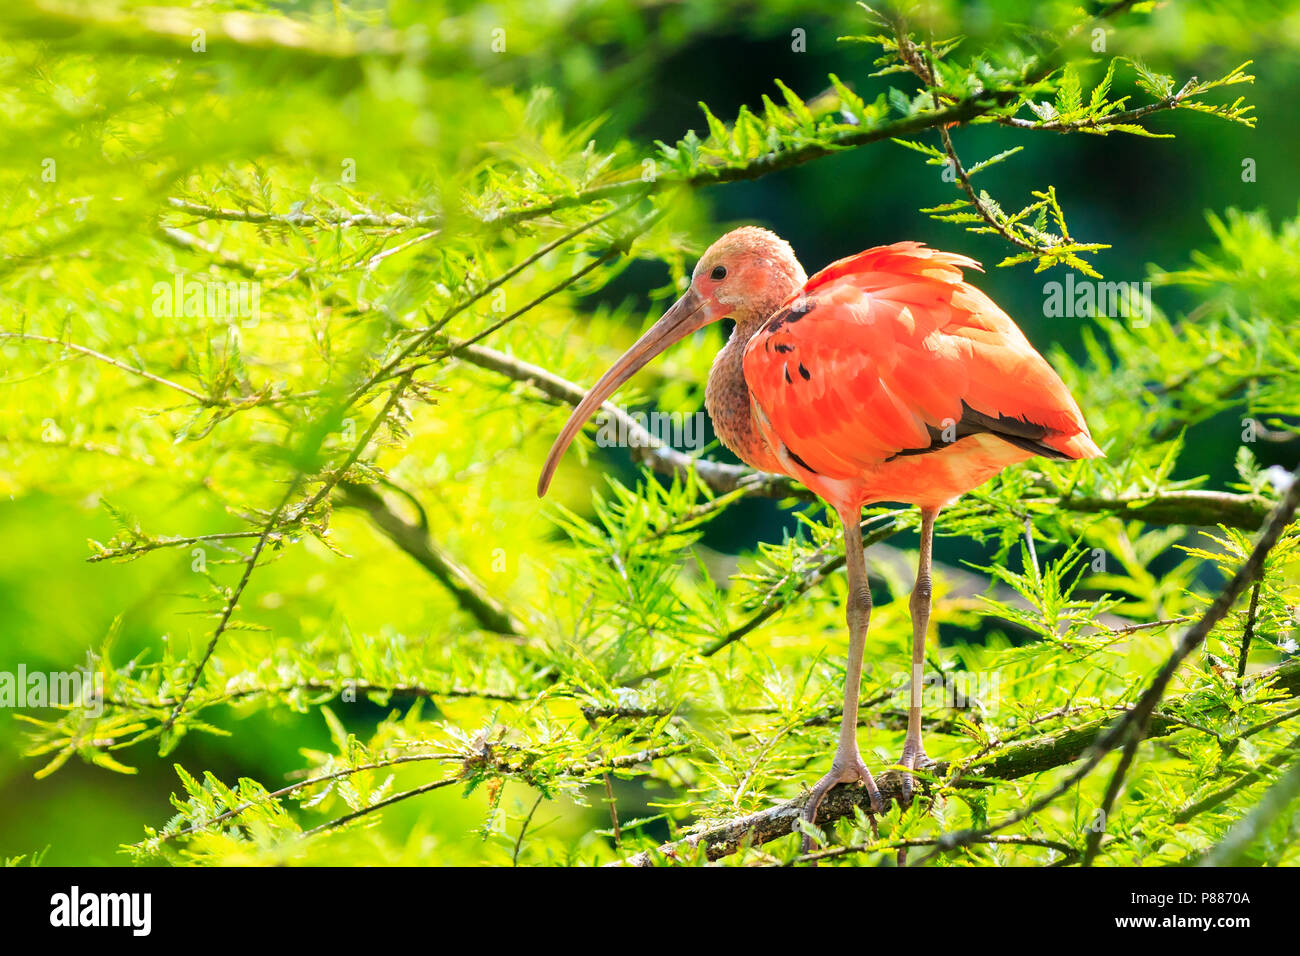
(318, 522)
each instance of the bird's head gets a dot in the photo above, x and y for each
(746, 275)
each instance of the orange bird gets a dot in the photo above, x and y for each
(884, 377)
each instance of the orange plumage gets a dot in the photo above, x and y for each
(887, 377)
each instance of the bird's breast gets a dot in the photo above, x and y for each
(727, 399)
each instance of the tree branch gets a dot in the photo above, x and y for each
(1190, 507)
(977, 104)
(470, 593)
(1046, 752)
(1215, 798)
(1232, 849)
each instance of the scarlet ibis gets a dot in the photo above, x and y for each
(884, 377)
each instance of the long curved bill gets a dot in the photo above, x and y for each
(692, 311)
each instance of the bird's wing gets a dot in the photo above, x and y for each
(890, 352)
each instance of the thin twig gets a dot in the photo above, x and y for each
(1249, 631)
(613, 809)
(519, 840)
(232, 602)
(116, 363)
(425, 335)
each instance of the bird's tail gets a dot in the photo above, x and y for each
(1078, 445)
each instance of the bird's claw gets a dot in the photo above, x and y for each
(856, 772)
(914, 756)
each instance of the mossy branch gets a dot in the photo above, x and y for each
(1049, 751)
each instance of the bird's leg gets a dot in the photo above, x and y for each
(847, 765)
(913, 749)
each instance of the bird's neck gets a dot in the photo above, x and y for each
(727, 395)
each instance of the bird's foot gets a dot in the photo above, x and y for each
(914, 757)
(849, 772)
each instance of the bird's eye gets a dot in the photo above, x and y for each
(718, 274)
